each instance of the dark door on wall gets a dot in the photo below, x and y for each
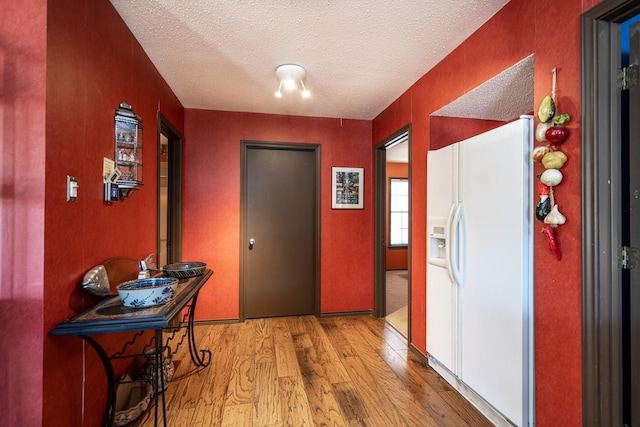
(169, 190)
(279, 235)
(631, 238)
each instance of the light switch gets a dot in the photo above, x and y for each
(72, 188)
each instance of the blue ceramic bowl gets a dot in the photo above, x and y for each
(147, 292)
(184, 269)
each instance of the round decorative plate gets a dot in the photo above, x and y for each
(184, 269)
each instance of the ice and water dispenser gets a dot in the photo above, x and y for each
(437, 242)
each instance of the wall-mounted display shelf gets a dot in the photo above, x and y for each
(128, 149)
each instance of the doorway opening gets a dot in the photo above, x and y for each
(611, 347)
(393, 231)
(169, 193)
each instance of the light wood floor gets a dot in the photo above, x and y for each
(306, 371)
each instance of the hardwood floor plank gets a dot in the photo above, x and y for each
(179, 418)
(237, 415)
(294, 402)
(203, 416)
(409, 402)
(375, 400)
(247, 339)
(351, 404)
(325, 409)
(242, 381)
(286, 360)
(303, 371)
(327, 355)
(320, 394)
(296, 324)
(464, 409)
(264, 348)
(266, 404)
(280, 330)
(357, 331)
(423, 394)
(391, 337)
(339, 342)
(214, 390)
(307, 358)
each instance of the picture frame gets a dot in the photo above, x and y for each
(347, 188)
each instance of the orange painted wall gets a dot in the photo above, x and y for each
(518, 30)
(396, 258)
(211, 215)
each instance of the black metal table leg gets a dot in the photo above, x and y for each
(200, 358)
(159, 385)
(109, 410)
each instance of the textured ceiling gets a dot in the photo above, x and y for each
(359, 55)
(503, 97)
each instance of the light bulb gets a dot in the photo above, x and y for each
(289, 84)
(305, 92)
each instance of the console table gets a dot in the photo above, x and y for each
(110, 316)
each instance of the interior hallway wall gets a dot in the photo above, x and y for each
(550, 30)
(211, 210)
(93, 64)
(22, 166)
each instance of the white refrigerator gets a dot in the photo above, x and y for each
(479, 270)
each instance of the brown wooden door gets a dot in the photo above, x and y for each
(280, 230)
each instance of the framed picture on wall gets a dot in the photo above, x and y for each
(347, 188)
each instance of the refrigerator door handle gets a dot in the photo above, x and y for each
(456, 253)
(448, 242)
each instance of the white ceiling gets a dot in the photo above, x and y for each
(359, 55)
(503, 97)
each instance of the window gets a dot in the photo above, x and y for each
(398, 212)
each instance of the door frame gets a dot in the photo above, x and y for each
(601, 198)
(174, 200)
(380, 221)
(246, 145)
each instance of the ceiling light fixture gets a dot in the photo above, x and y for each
(290, 75)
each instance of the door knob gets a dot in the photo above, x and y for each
(251, 243)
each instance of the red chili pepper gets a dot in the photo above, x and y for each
(550, 234)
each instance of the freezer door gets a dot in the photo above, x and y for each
(441, 295)
(496, 192)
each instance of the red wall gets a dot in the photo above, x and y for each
(61, 78)
(211, 214)
(396, 258)
(22, 133)
(521, 28)
(93, 64)
(445, 131)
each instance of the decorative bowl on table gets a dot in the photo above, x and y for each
(147, 292)
(184, 270)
